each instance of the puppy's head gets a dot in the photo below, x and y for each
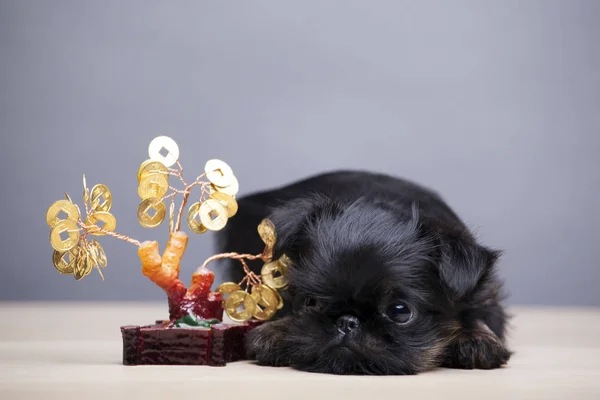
(371, 291)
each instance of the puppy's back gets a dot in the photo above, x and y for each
(344, 187)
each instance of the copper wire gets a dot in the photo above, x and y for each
(93, 228)
(251, 278)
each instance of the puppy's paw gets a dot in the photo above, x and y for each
(477, 348)
(265, 343)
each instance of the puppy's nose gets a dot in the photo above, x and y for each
(347, 323)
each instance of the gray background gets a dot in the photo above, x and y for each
(493, 103)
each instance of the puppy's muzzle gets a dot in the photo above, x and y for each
(347, 324)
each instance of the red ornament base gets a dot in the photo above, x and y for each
(156, 345)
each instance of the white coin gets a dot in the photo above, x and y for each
(164, 149)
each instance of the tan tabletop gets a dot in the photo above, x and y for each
(73, 351)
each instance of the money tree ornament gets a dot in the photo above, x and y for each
(193, 309)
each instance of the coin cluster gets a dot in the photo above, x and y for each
(153, 178)
(261, 303)
(211, 213)
(73, 253)
(274, 273)
(100, 203)
(80, 260)
(263, 300)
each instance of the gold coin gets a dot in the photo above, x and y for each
(266, 302)
(70, 228)
(164, 149)
(286, 261)
(153, 186)
(276, 293)
(91, 252)
(266, 293)
(228, 201)
(101, 198)
(83, 266)
(151, 212)
(64, 262)
(99, 254)
(108, 220)
(218, 173)
(264, 312)
(231, 190)
(53, 215)
(274, 274)
(266, 231)
(193, 219)
(141, 168)
(93, 258)
(150, 167)
(235, 301)
(213, 215)
(228, 287)
(88, 267)
(86, 192)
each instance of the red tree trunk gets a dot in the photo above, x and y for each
(164, 271)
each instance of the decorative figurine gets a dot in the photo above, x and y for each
(194, 332)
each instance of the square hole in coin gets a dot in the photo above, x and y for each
(64, 235)
(62, 215)
(163, 152)
(240, 308)
(151, 212)
(213, 215)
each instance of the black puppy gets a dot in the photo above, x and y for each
(386, 279)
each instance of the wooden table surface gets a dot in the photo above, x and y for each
(73, 351)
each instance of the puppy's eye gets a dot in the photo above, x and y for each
(310, 302)
(399, 312)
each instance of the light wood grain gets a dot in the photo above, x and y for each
(73, 351)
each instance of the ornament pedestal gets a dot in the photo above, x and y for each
(155, 345)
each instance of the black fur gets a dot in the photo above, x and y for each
(359, 243)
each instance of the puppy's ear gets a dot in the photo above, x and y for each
(293, 219)
(463, 262)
